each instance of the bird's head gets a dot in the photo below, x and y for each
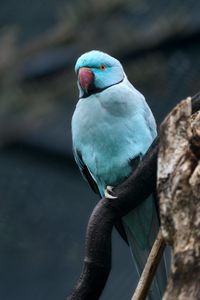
(96, 72)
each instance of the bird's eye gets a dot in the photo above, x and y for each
(102, 67)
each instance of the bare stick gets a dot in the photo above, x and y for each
(150, 268)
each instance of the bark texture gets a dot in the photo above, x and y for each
(179, 192)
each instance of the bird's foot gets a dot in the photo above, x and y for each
(109, 192)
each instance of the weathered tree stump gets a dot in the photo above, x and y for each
(179, 193)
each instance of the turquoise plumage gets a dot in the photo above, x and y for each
(113, 126)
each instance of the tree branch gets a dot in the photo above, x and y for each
(150, 268)
(179, 193)
(97, 261)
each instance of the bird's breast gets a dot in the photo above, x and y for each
(106, 144)
(109, 129)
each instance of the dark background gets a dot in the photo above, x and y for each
(45, 204)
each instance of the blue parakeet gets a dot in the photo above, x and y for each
(112, 128)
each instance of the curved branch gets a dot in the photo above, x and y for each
(97, 261)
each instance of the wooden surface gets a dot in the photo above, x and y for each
(179, 192)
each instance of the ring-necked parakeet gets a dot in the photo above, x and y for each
(112, 128)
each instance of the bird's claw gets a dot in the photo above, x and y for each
(109, 193)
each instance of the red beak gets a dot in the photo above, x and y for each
(86, 78)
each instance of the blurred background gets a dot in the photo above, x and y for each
(45, 204)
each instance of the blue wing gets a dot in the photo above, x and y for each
(92, 183)
(85, 172)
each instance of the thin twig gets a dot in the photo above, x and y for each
(150, 268)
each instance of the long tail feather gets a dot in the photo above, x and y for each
(141, 226)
